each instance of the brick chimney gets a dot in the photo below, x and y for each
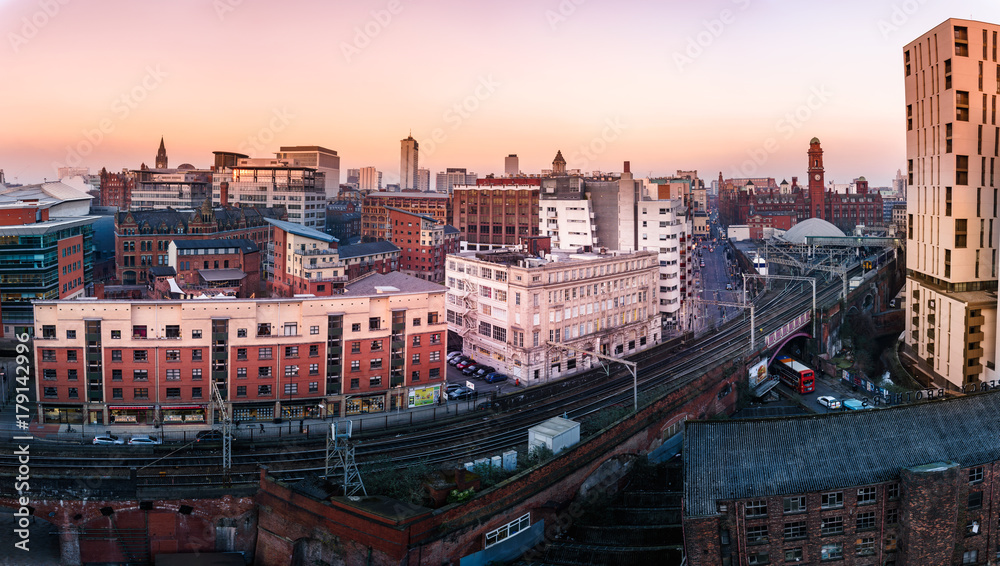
(627, 167)
(224, 193)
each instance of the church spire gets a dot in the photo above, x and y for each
(161, 156)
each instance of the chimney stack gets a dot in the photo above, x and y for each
(627, 168)
(224, 193)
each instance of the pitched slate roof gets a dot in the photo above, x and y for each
(727, 460)
(449, 229)
(366, 249)
(366, 286)
(247, 246)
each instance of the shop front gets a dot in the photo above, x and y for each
(62, 414)
(251, 413)
(95, 416)
(301, 410)
(360, 405)
(131, 415)
(422, 396)
(183, 414)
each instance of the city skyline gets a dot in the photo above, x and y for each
(736, 86)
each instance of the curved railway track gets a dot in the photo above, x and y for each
(461, 440)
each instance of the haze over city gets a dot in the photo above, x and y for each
(733, 85)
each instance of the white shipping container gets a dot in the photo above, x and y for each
(557, 434)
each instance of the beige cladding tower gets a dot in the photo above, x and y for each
(952, 76)
(408, 163)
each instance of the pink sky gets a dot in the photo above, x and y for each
(737, 86)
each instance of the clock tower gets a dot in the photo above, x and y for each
(817, 182)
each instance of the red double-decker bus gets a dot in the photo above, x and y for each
(796, 375)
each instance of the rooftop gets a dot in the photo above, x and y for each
(421, 216)
(47, 194)
(812, 227)
(300, 230)
(366, 249)
(728, 460)
(366, 286)
(429, 194)
(245, 245)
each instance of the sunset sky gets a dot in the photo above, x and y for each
(737, 86)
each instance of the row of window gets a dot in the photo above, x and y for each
(830, 500)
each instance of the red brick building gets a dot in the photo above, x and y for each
(375, 218)
(901, 485)
(116, 189)
(497, 211)
(142, 237)
(380, 343)
(761, 222)
(423, 243)
(214, 266)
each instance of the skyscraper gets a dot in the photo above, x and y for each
(423, 180)
(369, 179)
(511, 167)
(325, 161)
(408, 163)
(951, 259)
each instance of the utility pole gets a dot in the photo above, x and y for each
(630, 365)
(227, 447)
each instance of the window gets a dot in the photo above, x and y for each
(74, 393)
(140, 393)
(432, 318)
(865, 546)
(173, 331)
(416, 322)
(416, 341)
(313, 330)
(376, 364)
(435, 338)
(356, 327)
(71, 334)
(355, 347)
(376, 346)
(795, 504)
(866, 521)
(70, 355)
(832, 526)
(264, 371)
(970, 557)
(291, 351)
(434, 356)
(961, 232)
(263, 390)
(756, 508)
(291, 329)
(173, 375)
(173, 355)
(759, 558)
(140, 375)
(313, 351)
(866, 495)
(263, 353)
(892, 516)
(833, 551)
(116, 356)
(196, 374)
(173, 393)
(196, 334)
(416, 359)
(975, 499)
(890, 543)
(375, 381)
(355, 383)
(241, 373)
(241, 390)
(508, 530)
(115, 334)
(291, 371)
(355, 365)
(892, 491)
(795, 530)
(434, 373)
(49, 374)
(116, 375)
(291, 388)
(976, 474)
(971, 527)
(241, 353)
(139, 355)
(313, 386)
(793, 555)
(138, 331)
(116, 393)
(374, 323)
(241, 333)
(832, 500)
(264, 329)
(51, 392)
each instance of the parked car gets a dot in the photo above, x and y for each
(828, 401)
(494, 377)
(210, 435)
(454, 353)
(456, 360)
(470, 369)
(453, 386)
(855, 405)
(464, 364)
(143, 440)
(108, 439)
(463, 393)
(483, 371)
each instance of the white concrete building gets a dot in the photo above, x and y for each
(275, 182)
(513, 310)
(325, 161)
(570, 224)
(665, 228)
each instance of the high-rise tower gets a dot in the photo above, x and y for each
(951, 213)
(408, 163)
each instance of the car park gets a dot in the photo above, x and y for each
(108, 439)
(828, 401)
(143, 440)
(494, 377)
